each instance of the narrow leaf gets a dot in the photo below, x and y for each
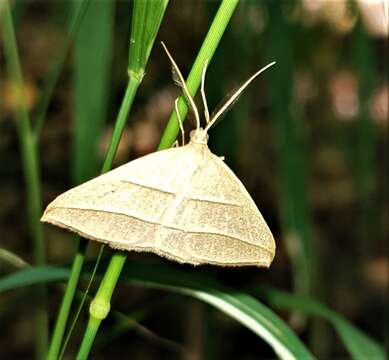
(357, 343)
(92, 66)
(238, 305)
(295, 214)
(146, 20)
(33, 275)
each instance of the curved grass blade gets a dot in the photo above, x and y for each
(236, 304)
(33, 275)
(11, 259)
(359, 345)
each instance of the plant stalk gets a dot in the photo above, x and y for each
(211, 41)
(125, 107)
(100, 307)
(79, 257)
(67, 299)
(29, 154)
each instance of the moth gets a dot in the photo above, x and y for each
(183, 203)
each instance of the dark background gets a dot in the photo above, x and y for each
(308, 139)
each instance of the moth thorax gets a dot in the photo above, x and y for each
(199, 136)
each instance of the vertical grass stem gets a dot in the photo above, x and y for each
(100, 306)
(211, 42)
(29, 154)
(67, 299)
(125, 107)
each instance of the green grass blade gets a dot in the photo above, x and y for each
(33, 275)
(208, 48)
(359, 345)
(70, 291)
(52, 75)
(31, 172)
(92, 55)
(146, 20)
(235, 303)
(18, 11)
(10, 259)
(365, 170)
(295, 216)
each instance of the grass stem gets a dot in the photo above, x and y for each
(125, 107)
(67, 300)
(211, 42)
(100, 306)
(29, 154)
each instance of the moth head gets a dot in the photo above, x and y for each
(199, 136)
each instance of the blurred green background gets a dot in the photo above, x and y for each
(308, 139)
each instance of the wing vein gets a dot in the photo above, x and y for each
(147, 187)
(169, 226)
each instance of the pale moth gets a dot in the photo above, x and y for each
(183, 203)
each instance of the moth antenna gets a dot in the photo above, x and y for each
(186, 91)
(206, 111)
(236, 95)
(180, 122)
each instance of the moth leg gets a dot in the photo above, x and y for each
(180, 122)
(175, 144)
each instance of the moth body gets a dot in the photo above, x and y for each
(182, 203)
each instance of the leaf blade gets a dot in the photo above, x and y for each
(238, 305)
(359, 345)
(91, 82)
(33, 275)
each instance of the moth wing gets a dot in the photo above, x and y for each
(165, 170)
(124, 206)
(215, 221)
(219, 222)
